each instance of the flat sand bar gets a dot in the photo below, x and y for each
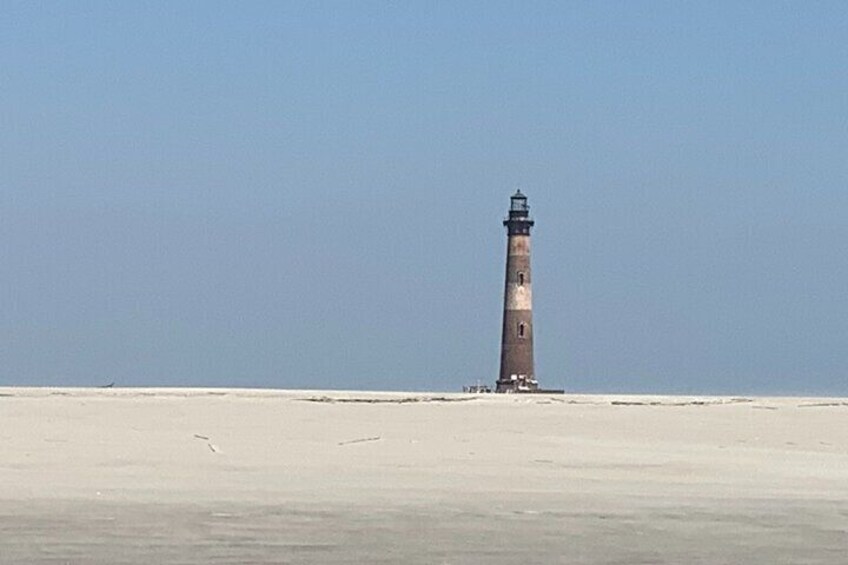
(133, 475)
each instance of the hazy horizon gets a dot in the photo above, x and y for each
(310, 195)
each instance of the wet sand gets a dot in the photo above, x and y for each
(250, 476)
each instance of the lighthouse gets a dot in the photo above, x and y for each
(517, 374)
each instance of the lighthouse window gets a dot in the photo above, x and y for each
(520, 330)
(520, 279)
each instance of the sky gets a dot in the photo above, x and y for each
(310, 195)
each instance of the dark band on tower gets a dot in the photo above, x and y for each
(517, 373)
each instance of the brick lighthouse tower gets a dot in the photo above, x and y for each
(517, 338)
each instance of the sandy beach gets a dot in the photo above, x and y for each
(263, 476)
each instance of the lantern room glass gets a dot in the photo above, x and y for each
(519, 203)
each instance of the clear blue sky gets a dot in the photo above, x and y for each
(310, 194)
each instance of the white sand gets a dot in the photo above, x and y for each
(200, 475)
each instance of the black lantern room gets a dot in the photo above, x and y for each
(519, 222)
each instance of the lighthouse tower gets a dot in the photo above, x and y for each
(517, 373)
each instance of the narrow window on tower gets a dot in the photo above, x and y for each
(520, 279)
(521, 330)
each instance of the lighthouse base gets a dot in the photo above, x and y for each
(517, 383)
